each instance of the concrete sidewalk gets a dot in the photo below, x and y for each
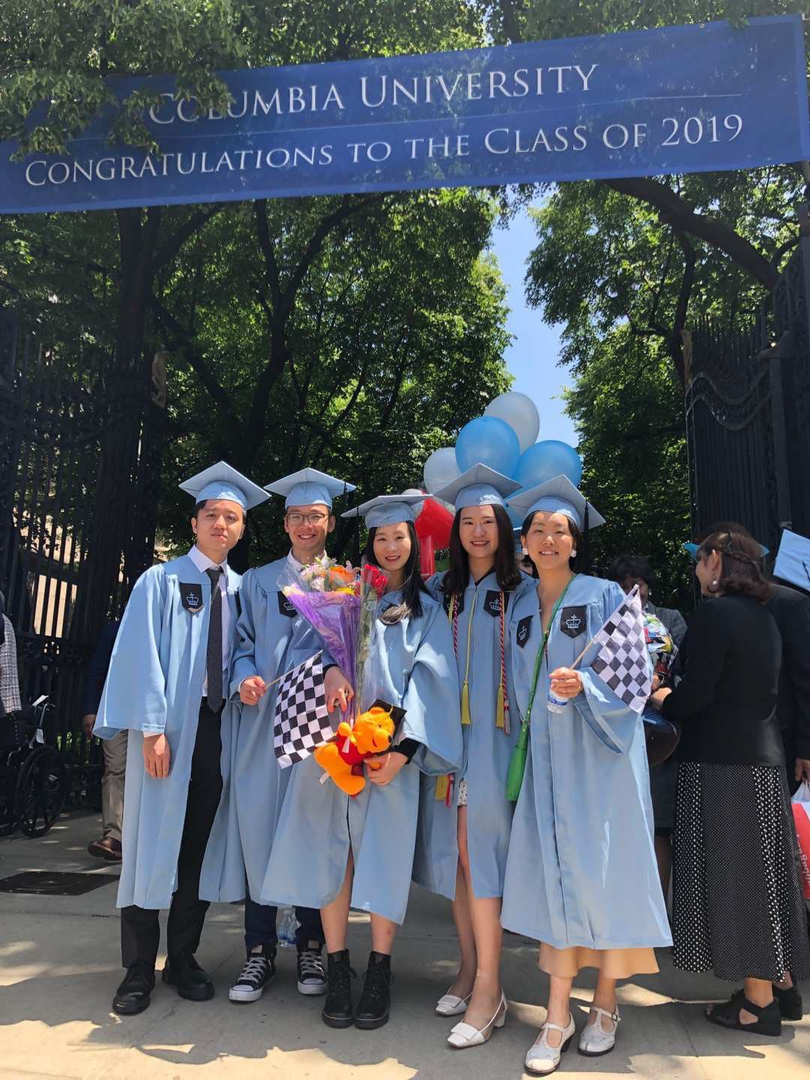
(59, 966)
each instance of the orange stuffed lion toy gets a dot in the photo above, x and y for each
(342, 758)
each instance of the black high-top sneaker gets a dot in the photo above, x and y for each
(375, 1001)
(338, 1009)
(257, 974)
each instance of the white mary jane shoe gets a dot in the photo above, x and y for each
(543, 1059)
(464, 1035)
(594, 1040)
(450, 1005)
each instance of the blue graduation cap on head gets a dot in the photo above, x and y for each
(308, 486)
(693, 550)
(222, 481)
(387, 509)
(478, 486)
(557, 496)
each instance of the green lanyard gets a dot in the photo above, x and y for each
(541, 652)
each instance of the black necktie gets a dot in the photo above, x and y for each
(213, 661)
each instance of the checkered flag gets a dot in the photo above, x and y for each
(622, 662)
(302, 719)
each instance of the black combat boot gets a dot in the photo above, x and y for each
(338, 1009)
(375, 1001)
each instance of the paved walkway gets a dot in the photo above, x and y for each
(59, 966)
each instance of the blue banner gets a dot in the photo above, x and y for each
(677, 100)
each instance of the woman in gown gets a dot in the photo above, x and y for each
(465, 820)
(581, 875)
(335, 852)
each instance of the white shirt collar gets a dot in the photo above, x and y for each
(203, 563)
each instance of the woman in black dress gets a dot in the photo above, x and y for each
(738, 906)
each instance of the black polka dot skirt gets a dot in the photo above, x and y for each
(738, 904)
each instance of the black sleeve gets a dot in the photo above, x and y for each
(706, 646)
(407, 748)
(796, 660)
(96, 671)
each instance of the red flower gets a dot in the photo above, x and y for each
(375, 578)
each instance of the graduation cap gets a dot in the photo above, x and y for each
(478, 486)
(557, 496)
(222, 481)
(309, 486)
(693, 550)
(387, 509)
(793, 559)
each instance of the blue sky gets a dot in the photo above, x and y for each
(532, 356)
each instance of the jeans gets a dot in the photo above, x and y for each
(260, 926)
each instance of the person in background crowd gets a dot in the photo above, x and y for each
(630, 570)
(337, 852)
(269, 631)
(465, 821)
(738, 906)
(114, 750)
(9, 674)
(790, 609)
(168, 679)
(580, 875)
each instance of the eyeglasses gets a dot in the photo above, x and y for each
(315, 518)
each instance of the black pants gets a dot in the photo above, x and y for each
(140, 929)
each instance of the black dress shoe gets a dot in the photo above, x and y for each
(790, 1002)
(375, 1001)
(188, 978)
(132, 996)
(338, 1009)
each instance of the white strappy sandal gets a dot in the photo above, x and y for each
(464, 1035)
(450, 1005)
(543, 1059)
(594, 1040)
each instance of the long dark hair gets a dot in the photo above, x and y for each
(412, 586)
(507, 574)
(742, 573)
(578, 565)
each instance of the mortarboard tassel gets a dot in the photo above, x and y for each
(442, 788)
(466, 718)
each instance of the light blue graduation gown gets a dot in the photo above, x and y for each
(413, 668)
(155, 684)
(487, 751)
(581, 869)
(270, 636)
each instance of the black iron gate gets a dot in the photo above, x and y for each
(68, 558)
(748, 414)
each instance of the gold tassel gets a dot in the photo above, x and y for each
(442, 787)
(500, 712)
(466, 718)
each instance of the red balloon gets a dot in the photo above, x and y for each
(435, 522)
(427, 557)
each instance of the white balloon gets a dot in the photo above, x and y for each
(417, 507)
(441, 468)
(520, 412)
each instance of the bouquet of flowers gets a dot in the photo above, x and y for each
(340, 603)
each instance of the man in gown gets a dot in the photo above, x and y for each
(168, 678)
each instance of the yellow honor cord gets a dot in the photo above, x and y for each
(442, 787)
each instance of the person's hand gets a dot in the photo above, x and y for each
(252, 690)
(156, 756)
(338, 690)
(382, 768)
(802, 770)
(656, 683)
(87, 724)
(657, 699)
(565, 682)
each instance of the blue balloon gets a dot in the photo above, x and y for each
(488, 441)
(548, 459)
